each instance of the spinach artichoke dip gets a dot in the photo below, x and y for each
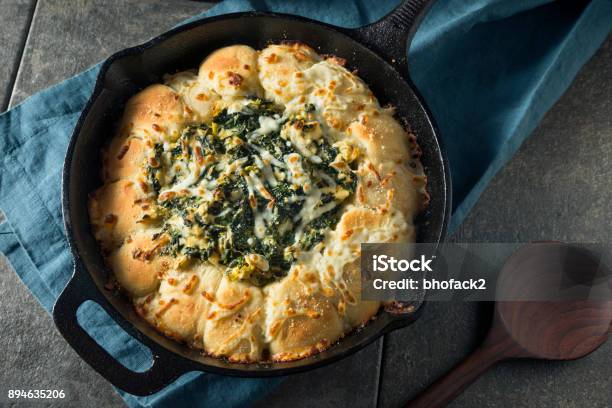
(236, 197)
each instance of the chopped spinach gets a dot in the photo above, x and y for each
(224, 225)
(314, 231)
(246, 120)
(153, 172)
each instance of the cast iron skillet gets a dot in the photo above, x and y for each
(378, 51)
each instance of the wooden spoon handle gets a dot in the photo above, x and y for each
(445, 389)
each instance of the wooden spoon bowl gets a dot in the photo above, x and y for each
(553, 315)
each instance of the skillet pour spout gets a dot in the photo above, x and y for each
(128, 71)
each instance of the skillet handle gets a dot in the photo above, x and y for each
(80, 288)
(391, 36)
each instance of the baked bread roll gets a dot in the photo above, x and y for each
(236, 197)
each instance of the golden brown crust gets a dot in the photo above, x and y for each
(301, 321)
(388, 185)
(234, 322)
(231, 71)
(124, 158)
(114, 211)
(382, 137)
(281, 69)
(138, 266)
(356, 312)
(179, 308)
(153, 112)
(199, 102)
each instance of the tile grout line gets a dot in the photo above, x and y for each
(381, 362)
(19, 61)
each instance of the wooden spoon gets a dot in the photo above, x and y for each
(549, 329)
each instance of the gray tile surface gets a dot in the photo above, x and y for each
(35, 356)
(67, 37)
(566, 196)
(556, 187)
(15, 18)
(352, 382)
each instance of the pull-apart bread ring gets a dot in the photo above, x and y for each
(236, 197)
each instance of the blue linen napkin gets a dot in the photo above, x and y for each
(488, 69)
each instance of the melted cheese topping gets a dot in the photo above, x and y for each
(322, 169)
